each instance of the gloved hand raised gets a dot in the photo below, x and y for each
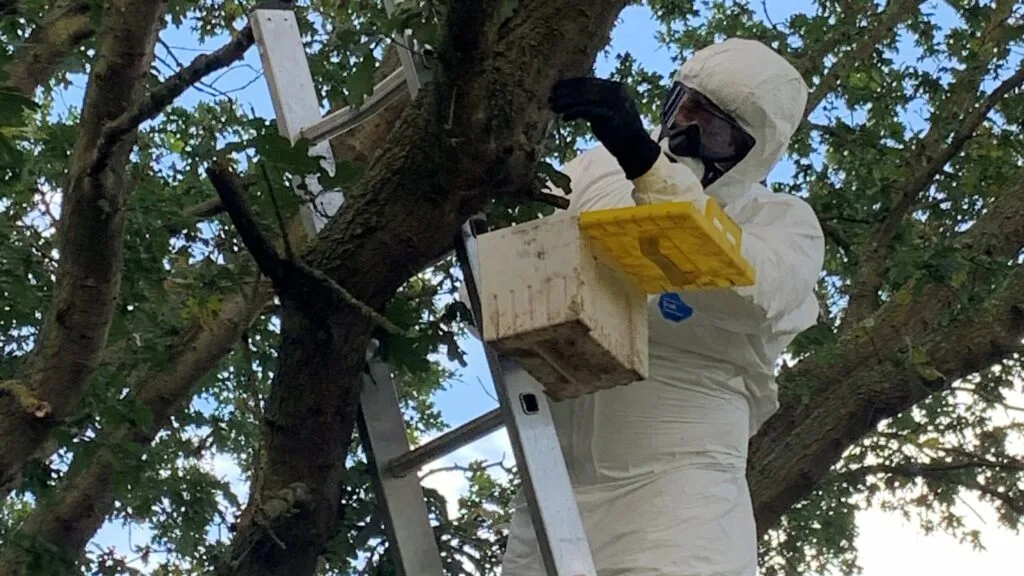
(613, 117)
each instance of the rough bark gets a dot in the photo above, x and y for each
(867, 376)
(60, 32)
(433, 171)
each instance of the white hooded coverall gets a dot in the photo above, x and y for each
(658, 466)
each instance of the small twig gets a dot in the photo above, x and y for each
(171, 53)
(277, 540)
(354, 302)
(288, 276)
(461, 468)
(487, 392)
(971, 508)
(767, 16)
(551, 200)
(151, 105)
(277, 212)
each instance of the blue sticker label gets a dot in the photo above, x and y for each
(673, 308)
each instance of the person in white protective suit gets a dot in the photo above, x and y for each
(658, 466)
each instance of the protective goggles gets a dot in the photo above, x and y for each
(697, 128)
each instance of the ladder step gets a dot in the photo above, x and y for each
(341, 121)
(447, 443)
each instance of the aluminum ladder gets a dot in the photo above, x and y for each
(523, 410)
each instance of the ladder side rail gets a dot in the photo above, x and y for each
(296, 104)
(406, 518)
(554, 513)
(382, 427)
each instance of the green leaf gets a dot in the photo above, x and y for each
(346, 175)
(559, 179)
(360, 81)
(922, 363)
(507, 10)
(13, 107)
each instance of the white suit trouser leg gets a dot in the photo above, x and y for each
(652, 527)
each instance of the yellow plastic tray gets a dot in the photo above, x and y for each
(670, 246)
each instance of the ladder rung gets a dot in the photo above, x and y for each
(447, 443)
(341, 121)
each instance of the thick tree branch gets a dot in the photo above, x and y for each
(204, 209)
(310, 289)
(861, 387)
(937, 148)
(866, 377)
(963, 473)
(232, 197)
(60, 33)
(90, 236)
(920, 470)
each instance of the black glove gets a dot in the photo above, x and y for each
(613, 117)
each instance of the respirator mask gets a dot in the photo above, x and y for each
(700, 135)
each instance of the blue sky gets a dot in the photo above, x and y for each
(888, 545)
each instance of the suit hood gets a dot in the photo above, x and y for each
(763, 92)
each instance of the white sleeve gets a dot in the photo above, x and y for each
(783, 241)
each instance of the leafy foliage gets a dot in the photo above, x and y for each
(880, 120)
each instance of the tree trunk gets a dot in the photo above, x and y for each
(470, 133)
(91, 234)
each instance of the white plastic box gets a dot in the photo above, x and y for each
(572, 322)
